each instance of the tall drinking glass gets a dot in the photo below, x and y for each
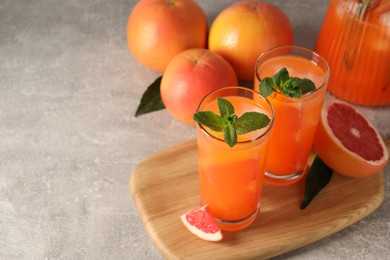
(231, 178)
(295, 118)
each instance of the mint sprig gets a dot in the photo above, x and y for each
(229, 123)
(281, 82)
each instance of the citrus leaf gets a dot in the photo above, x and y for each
(151, 99)
(250, 121)
(317, 178)
(209, 119)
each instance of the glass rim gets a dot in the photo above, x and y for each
(304, 49)
(258, 137)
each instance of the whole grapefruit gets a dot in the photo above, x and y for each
(244, 30)
(347, 142)
(157, 30)
(189, 77)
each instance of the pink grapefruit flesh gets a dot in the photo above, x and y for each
(201, 223)
(348, 143)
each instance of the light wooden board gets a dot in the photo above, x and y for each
(165, 186)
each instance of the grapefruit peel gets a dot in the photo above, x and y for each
(202, 224)
(334, 152)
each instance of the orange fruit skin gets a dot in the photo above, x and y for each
(189, 77)
(341, 160)
(157, 30)
(244, 30)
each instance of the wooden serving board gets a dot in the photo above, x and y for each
(165, 186)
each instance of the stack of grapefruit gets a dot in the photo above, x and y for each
(172, 37)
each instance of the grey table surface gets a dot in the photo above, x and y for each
(69, 139)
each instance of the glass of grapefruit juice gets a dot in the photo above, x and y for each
(295, 118)
(231, 178)
(355, 41)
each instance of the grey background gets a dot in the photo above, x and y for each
(69, 88)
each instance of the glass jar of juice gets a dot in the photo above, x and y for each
(355, 41)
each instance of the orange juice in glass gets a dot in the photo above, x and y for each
(231, 178)
(295, 118)
(355, 41)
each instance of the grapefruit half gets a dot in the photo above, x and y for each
(201, 223)
(347, 142)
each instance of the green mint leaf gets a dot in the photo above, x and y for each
(295, 87)
(281, 77)
(230, 135)
(151, 99)
(292, 87)
(250, 121)
(230, 120)
(317, 178)
(225, 107)
(229, 123)
(210, 119)
(267, 86)
(307, 85)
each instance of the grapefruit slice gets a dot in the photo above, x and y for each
(347, 142)
(201, 223)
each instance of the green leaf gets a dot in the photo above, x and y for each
(210, 119)
(267, 87)
(151, 99)
(307, 85)
(230, 135)
(229, 120)
(280, 77)
(229, 123)
(225, 107)
(250, 121)
(292, 87)
(317, 178)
